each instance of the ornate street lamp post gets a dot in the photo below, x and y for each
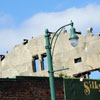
(73, 40)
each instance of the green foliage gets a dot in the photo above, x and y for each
(61, 75)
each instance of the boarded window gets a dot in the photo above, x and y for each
(44, 62)
(77, 60)
(35, 63)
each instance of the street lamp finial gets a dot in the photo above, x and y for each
(46, 30)
(72, 23)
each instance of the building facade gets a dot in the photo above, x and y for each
(24, 59)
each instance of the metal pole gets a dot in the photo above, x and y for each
(50, 68)
(49, 57)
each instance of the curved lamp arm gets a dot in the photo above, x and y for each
(73, 37)
(72, 33)
(59, 30)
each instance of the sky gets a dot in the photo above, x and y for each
(21, 19)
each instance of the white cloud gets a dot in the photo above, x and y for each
(83, 18)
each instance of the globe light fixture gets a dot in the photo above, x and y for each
(73, 37)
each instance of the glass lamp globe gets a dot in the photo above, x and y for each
(73, 37)
(74, 42)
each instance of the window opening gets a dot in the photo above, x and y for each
(77, 60)
(35, 63)
(44, 62)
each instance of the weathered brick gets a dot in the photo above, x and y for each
(29, 88)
